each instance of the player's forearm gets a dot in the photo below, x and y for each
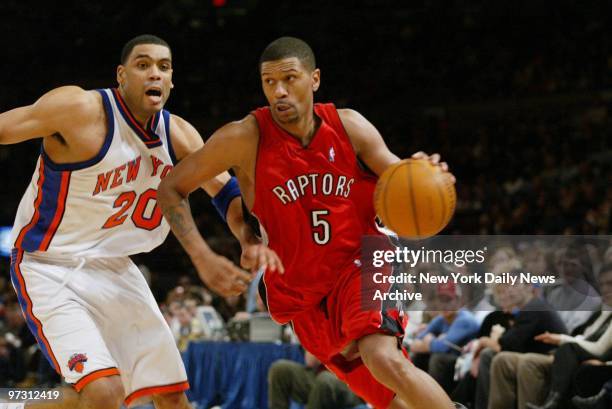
(177, 212)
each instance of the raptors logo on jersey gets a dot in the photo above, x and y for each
(313, 184)
(314, 204)
(106, 206)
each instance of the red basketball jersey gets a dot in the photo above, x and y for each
(314, 203)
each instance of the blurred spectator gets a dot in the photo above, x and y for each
(15, 324)
(601, 400)
(523, 378)
(185, 326)
(532, 316)
(12, 360)
(493, 326)
(536, 260)
(414, 309)
(311, 385)
(502, 255)
(15, 340)
(593, 345)
(228, 307)
(437, 347)
(576, 298)
(473, 295)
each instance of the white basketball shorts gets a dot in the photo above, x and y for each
(97, 317)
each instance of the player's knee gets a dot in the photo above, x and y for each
(174, 400)
(389, 361)
(103, 393)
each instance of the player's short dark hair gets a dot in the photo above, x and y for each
(141, 39)
(287, 47)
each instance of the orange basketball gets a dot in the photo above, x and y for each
(415, 198)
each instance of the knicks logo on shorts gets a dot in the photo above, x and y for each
(77, 362)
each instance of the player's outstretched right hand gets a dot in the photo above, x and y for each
(221, 275)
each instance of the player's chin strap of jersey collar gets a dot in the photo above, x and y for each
(81, 263)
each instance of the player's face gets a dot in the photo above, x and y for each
(146, 78)
(289, 88)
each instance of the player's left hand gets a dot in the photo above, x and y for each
(435, 160)
(255, 256)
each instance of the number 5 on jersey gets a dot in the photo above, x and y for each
(321, 230)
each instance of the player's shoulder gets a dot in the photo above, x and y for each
(356, 125)
(179, 121)
(185, 138)
(73, 95)
(73, 101)
(242, 129)
(360, 131)
(180, 127)
(350, 116)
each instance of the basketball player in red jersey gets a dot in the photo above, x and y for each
(299, 169)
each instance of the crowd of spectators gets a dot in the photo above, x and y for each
(537, 347)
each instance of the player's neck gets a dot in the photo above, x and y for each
(140, 117)
(304, 129)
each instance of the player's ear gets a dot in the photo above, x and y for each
(120, 75)
(316, 79)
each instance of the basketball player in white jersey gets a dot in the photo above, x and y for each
(92, 203)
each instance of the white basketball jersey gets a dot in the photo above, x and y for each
(106, 206)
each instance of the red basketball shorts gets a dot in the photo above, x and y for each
(341, 318)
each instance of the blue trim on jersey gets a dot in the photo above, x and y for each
(150, 138)
(47, 209)
(166, 116)
(155, 122)
(110, 123)
(24, 307)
